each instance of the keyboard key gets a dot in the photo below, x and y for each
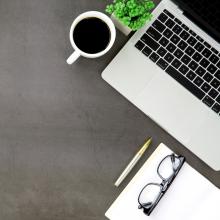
(211, 68)
(178, 53)
(217, 74)
(207, 44)
(189, 50)
(159, 26)
(162, 17)
(168, 33)
(191, 75)
(150, 42)
(193, 65)
(199, 47)
(171, 47)
(218, 64)
(146, 51)
(183, 69)
(185, 27)
(192, 32)
(177, 29)
(162, 63)
(197, 56)
(216, 107)
(168, 13)
(184, 35)
(176, 63)
(185, 59)
(214, 50)
(192, 41)
(169, 23)
(154, 34)
(208, 101)
(206, 53)
(206, 87)
(161, 51)
(177, 21)
(182, 45)
(204, 62)
(215, 83)
(139, 45)
(198, 81)
(213, 93)
(200, 71)
(154, 57)
(218, 99)
(175, 39)
(213, 58)
(207, 77)
(185, 82)
(163, 41)
(199, 38)
(169, 57)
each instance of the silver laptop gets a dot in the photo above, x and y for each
(170, 70)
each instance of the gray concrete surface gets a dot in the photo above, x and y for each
(65, 135)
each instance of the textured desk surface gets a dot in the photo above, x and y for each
(65, 135)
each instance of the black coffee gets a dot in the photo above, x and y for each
(91, 35)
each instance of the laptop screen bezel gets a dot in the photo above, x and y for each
(198, 20)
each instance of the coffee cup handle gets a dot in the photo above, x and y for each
(73, 57)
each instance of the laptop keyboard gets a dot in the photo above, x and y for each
(185, 56)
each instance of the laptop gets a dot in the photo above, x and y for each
(170, 70)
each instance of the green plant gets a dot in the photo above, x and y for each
(132, 13)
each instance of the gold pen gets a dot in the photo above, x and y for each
(135, 159)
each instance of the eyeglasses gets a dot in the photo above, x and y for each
(151, 194)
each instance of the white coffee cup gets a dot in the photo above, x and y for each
(90, 14)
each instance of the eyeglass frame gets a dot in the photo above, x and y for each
(164, 185)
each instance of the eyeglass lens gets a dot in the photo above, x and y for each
(149, 195)
(168, 167)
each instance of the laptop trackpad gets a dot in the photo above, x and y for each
(172, 107)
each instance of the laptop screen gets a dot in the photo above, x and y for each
(205, 13)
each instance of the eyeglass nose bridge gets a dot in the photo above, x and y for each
(164, 185)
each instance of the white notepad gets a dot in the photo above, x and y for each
(190, 197)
